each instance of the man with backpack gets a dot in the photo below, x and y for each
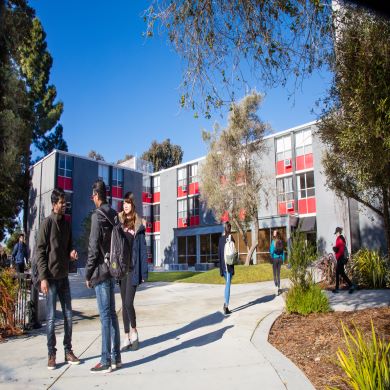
(277, 257)
(98, 276)
(20, 254)
(53, 254)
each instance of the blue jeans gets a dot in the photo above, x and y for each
(228, 280)
(110, 327)
(60, 288)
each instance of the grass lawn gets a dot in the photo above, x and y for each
(251, 274)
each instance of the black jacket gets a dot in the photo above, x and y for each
(139, 257)
(96, 270)
(53, 248)
(221, 248)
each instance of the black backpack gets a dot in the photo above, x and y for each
(278, 247)
(119, 258)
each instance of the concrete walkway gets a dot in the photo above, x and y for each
(185, 343)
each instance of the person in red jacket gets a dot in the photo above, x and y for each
(339, 250)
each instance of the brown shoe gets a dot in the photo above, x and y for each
(71, 358)
(51, 363)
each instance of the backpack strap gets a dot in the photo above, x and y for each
(101, 212)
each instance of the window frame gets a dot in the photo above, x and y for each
(181, 181)
(305, 145)
(305, 189)
(67, 169)
(283, 150)
(285, 196)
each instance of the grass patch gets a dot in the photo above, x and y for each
(243, 274)
(306, 301)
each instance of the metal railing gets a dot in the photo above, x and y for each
(23, 307)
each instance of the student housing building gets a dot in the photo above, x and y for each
(181, 232)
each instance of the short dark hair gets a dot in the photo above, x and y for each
(99, 188)
(228, 227)
(57, 194)
(21, 235)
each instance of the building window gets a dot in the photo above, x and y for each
(156, 184)
(305, 185)
(283, 148)
(182, 208)
(303, 142)
(209, 247)
(194, 173)
(65, 166)
(156, 212)
(187, 250)
(194, 206)
(146, 184)
(117, 177)
(68, 198)
(285, 189)
(146, 211)
(104, 173)
(182, 177)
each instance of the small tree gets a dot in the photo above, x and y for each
(231, 178)
(83, 239)
(127, 157)
(95, 155)
(163, 155)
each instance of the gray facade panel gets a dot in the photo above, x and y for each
(168, 215)
(49, 173)
(372, 230)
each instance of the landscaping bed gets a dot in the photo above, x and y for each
(311, 341)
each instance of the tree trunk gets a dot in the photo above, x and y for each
(386, 217)
(254, 243)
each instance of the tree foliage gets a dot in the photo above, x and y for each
(228, 42)
(28, 107)
(163, 155)
(231, 178)
(95, 155)
(127, 157)
(355, 125)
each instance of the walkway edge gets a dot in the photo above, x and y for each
(290, 375)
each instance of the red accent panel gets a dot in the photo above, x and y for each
(180, 223)
(156, 226)
(156, 197)
(149, 227)
(302, 206)
(145, 197)
(180, 192)
(311, 205)
(282, 208)
(281, 170)
(117, 192)
(300, 163)
(68, 218)
(65, 183)
(309, 160)
(194, 188)
(225, 217)
(195, 220)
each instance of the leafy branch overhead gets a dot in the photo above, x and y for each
(229, 42)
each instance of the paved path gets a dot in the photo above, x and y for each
(185, 343)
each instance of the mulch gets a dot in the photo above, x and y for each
(311, 342)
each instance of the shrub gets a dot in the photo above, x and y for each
(366, 362)
(307, 300)
(370, 269)
(8, 291)
(327, 267)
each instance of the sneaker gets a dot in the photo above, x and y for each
(51, 362)
(226, 310)
(335, 291)
(126, 345)
(279, 291)
(134, 341)
(116, 364)
(101, 369)
(70, 358)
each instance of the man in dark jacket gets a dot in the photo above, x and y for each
(98, 276)
(53, 255)
(20, 254)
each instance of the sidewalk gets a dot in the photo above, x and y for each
(185, 342)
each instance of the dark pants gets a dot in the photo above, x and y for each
(276, 266)
(128, 293)
(340, 271)
(19, 268)
(60, 288)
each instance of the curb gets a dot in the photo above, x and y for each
(290, 375)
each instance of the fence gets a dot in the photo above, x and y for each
(23, 307)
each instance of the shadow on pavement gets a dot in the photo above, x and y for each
(195, 342)
(265, 299)
(211, 319)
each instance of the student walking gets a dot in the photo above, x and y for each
(277, 256)
(98, 276)
(135, 233)
(20, 254)
(53, 254)
(226, 270)
(339, 250)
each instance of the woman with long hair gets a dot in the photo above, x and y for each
(225, 270)
(277, 256)
(135, 233)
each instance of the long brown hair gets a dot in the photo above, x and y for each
(129, 219)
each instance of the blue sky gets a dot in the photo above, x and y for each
(121, 91)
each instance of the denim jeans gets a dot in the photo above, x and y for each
(228, 280)
(276, 266)
(60, 288)
(110, 327)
